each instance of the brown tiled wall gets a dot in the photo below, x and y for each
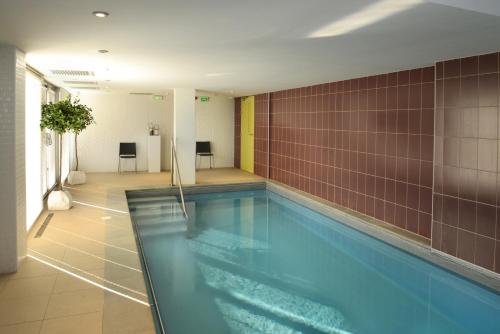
(466, 220)
(365, 143)
(261, 129)
(237, 131)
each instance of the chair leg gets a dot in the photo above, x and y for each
(119, 165)
(135, 159)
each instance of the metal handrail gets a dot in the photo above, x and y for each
(172, 160)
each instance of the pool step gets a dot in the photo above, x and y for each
(160, 218)
(161, 224)
(151, 200)
(150, 212)
(158, 206)
(154, 205)
(158, 215)
(148, 198)
(158, 230)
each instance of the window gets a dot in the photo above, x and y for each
(33, 144)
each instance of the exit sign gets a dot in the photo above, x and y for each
(204, 98)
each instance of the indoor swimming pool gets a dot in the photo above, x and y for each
(257, 262)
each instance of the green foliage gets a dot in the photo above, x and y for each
(66, 115)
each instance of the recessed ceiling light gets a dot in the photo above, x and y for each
(100, 14)
(103, 51)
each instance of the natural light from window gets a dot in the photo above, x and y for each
(365, 17)
(33, 139)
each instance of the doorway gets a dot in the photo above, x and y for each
(247, 133)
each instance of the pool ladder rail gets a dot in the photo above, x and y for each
(174, 166)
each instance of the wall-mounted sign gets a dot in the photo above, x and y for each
(204, 98)
(158, 97)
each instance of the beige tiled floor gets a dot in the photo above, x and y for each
(224, 175)
(83, 275)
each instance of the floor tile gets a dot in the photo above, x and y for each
(47, 248)
(83, 261)
(27, 287)
(90, 323)
(224, 175)
(33, 268)
(68, 283)
(78, 232)
(124, 316)
(124, 258)
(24, 328)
(71, 241)
(19, 310)
(75, 302)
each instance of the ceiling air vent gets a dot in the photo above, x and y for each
(85, 87)
(72, 73)
(79, 82)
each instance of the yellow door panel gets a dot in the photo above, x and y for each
(247, 132)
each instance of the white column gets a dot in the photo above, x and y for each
(12, 168)
(185, 133)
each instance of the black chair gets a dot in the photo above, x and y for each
(127, 151)
(203, 149)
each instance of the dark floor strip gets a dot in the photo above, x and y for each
(44, 225)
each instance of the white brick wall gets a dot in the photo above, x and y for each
(12, 180)
(20, 154)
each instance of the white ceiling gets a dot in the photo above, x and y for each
(240, 47)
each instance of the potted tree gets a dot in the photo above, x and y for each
(60, 117)
(81, 117)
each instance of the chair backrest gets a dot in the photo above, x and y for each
(127, 148)
(203, 147)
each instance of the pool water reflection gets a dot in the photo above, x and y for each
(255, 262)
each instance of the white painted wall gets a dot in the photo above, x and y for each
(215, 123)
(185, 133)
(122, 117)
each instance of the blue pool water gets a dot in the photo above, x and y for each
(255, 262)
